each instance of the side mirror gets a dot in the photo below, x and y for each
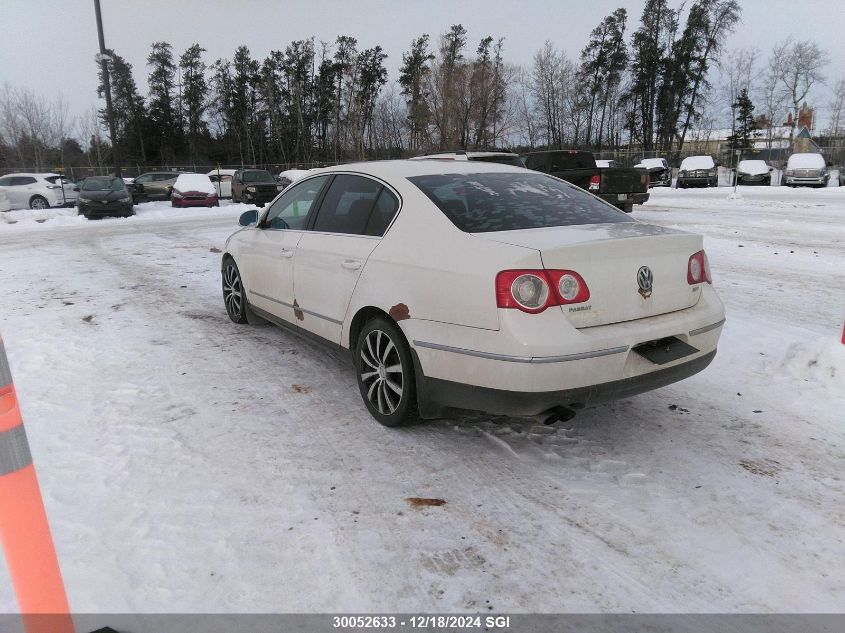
(771, 168)
(248, 218)
(76, 188)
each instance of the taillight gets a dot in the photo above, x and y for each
(595, 182)
(698, 269)
(533, 291)
(645, 179)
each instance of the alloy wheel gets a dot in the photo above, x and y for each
(381, 372)
(232, 291)
(39, 203)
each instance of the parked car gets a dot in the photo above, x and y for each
(104, 195)
(153, 185)
(623, 187)
(5, 205)
(38, 191)
(194, 190)
(659, 172)
(289, 176)
(753, 172)
(255, 186)
(475, 286)
(222, 179)
(502, 157)
(606, 163)
(698, 171)
(805, 169)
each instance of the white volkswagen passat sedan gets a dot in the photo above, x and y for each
(475, 286)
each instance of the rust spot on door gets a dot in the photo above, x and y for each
(399, 312)
(300, 315)
(421, 502)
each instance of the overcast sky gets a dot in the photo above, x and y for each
(48, 46)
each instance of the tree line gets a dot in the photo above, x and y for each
(648, 86)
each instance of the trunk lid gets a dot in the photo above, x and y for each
(609, 257)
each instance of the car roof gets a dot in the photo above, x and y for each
(411, 167)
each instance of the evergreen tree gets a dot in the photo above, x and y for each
(371, 79)
(194, 97)
(413, 77)
(127, 106)
(603, 61)
(746, 127)
(166, 129)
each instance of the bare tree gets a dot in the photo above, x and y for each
(836, 123)
(798, 67)
(736, 71)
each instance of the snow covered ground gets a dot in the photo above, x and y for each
(192, 465)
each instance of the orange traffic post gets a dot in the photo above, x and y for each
(24, 531)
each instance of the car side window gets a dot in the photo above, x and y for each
(290, 210)
(6, 181)
(144, 178)
(385, 208)
(23, 180)
(348, 205)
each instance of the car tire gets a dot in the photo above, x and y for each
(234, 297)
(382, 353)
(38, 202)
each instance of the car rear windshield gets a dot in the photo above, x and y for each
(103, 184)
(257, 176)
(486, 202)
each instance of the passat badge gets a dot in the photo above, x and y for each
(645, 279)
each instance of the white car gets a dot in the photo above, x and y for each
(38, 191)
(222, 179)
(605, 163)
(806, 169)
(475, 286)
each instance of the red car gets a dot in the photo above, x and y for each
(194, 190)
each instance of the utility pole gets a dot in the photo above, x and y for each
(104, 60)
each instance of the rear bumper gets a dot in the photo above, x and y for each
(435, 395)
(630, 198)
(536, 362)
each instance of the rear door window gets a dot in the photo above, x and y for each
(561, 161)
(486, 202)
(387, 204)
(348, 205)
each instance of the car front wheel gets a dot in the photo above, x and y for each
(385, 372)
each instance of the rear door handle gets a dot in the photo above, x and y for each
(287, 252)
(351, 264)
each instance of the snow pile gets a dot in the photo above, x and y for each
(194, 182)
(41, 219)
(752, 167)
(651, 163)
(805, 161)
(697, 162)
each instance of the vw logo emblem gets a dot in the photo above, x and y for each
(645, 280)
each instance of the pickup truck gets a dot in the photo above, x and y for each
(623, 187)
